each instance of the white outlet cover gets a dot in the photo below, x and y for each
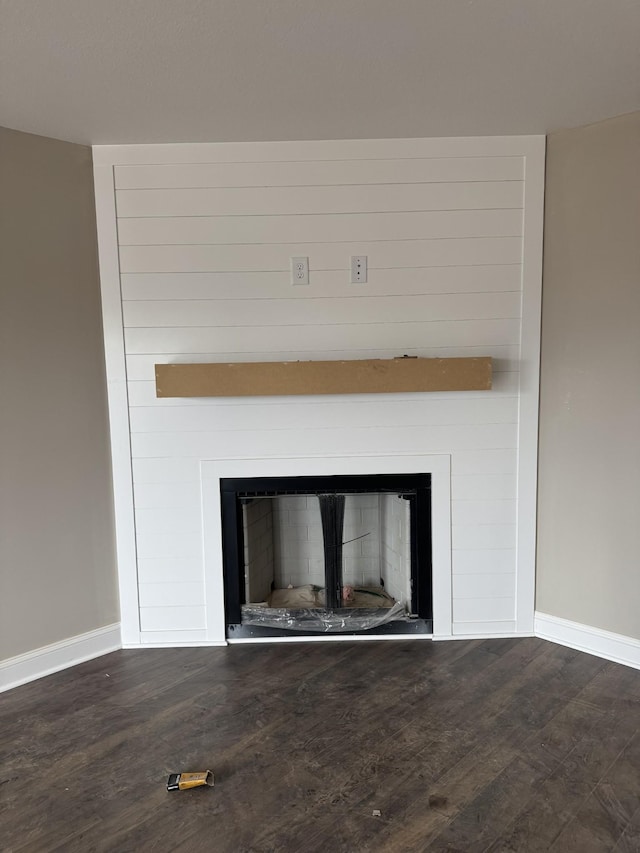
(358, 269)
(299, 270)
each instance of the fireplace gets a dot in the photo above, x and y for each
(339, 554)
(214, 472)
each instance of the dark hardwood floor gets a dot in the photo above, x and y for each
(499, 745)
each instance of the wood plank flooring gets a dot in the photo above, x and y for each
(496, 745)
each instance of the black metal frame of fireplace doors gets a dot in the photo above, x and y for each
(414, 487)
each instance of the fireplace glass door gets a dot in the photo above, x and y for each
(335, 554)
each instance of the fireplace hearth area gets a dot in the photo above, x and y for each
(317, 555)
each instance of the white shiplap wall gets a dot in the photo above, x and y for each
(204, 238)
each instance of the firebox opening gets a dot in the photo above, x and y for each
(345, 554)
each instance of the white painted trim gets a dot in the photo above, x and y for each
(337, 149)
(175, 644)
(529, 385)
(118, 402)
(584, 638)
(531, 147)
(331, 638)
(438, 465)
(48, 659)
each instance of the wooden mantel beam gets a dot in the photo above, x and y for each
(284, 378)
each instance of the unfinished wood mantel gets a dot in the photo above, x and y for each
(285, 378)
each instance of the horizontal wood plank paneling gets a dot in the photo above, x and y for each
(323, 415)
(181, 593)
(169, 618)
(320, 172)
(324, 338)
(205, 252)
(266, 257)
(480, 537)
(162, 544)
(483, 511)
(332, 442)
(315, 229)
(485, 561)
(162, 495)
(173, 519)
(503, 461)
(477, 586)
(326, 283)
(483, 609)
(490, 487)
(170, 570)
(321, 311)
(309, 200)
(181, 470)
(168, 471)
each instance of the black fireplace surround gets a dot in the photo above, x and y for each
(331, 492)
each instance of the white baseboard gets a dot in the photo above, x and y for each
(48, 659)
(176, 644)
(584, 638)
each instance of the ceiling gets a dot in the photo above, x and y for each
(116, 71)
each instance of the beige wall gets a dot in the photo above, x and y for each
(57, 563)
(589, 467)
